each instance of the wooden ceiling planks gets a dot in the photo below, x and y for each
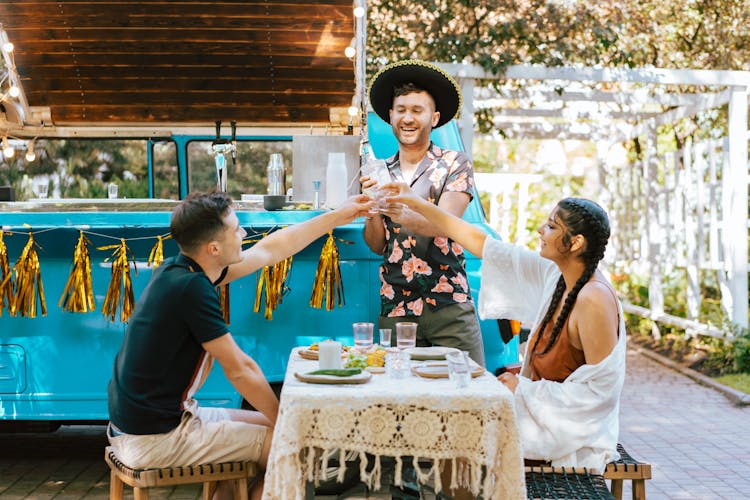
(144, 61)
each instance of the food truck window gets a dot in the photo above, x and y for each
(166, 172)
(79, 168)
(246, 176)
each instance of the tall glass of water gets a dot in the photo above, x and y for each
(459, 370)
(406, 335)
(362, 335)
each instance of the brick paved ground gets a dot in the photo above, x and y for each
(693, 437)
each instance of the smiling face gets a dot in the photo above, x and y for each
(413, 117)
(229, 240)
(552, 243)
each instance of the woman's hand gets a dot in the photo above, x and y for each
(509, 380)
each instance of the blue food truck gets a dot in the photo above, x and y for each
(55, 367)
(55, 364)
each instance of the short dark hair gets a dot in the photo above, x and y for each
(198, 218)
(410, 88)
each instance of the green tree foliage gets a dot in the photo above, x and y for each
(710, 34)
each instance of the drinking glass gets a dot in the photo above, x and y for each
(406, 335)
(397, 363)
(112, 190)
(459, 370)
(385, 337)
(42, 190)
(362, 334)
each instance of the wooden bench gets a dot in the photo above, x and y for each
(547, 483)
(141, 480)
(628, 468)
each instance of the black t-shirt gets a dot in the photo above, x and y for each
(161, 362)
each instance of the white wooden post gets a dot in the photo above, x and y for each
(466, 118)
(653, 232)
(691, 232)
(737, 217)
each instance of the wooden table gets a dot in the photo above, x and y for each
(414, 419)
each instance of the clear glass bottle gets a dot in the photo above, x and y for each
(376, 169)
(276, 175)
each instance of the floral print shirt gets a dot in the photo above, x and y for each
(419, 271)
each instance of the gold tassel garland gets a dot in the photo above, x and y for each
(224, 296)
(78, 294)
(272, 281)
(120, 286)
(28, 283)
(6, 283)
(156, 257)
(328, 277)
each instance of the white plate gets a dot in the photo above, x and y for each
(434, 352)
(311, 378)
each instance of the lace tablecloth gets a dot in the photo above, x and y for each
(474, 428)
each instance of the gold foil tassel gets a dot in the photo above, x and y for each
(28, 283)
(78, 295)
(120, 291)
(6, 283)
(328, 277)
(224, 296)
(156, 257)
(272, 282)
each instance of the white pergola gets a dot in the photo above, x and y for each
(686, 210)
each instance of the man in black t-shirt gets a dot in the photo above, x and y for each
(178, 329)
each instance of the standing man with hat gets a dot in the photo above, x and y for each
(423, 277)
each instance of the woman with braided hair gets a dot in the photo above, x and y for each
(567, 395)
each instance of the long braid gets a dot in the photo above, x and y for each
(559, 290)
(581, 217)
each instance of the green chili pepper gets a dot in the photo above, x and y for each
(343, 372)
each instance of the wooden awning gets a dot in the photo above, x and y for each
(160, 61)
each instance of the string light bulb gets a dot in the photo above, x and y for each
(353, 110)
(14, 91)
(8, 47)
(8, 150)
(359, 11)
(30, 153)
(350, 52)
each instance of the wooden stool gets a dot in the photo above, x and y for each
(628, 468)
(208, 474)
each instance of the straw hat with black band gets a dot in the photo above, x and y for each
(438, 83)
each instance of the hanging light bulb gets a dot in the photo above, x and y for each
(353, 110)
(8, 150)
(359, 11)
(8, 47)
(350, 52)
(14, 91)
(30, 153)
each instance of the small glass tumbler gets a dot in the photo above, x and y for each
(397, 364)
(385, 337)
(362, 335)
(42, 190)
(112, 191)
(459, 370)
(406, 335)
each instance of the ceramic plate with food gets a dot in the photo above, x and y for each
(440, 370)
(339, 376)
(434, 352)
(311, 352)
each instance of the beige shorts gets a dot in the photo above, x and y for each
(205, 435)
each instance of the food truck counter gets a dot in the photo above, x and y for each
(35, 352)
